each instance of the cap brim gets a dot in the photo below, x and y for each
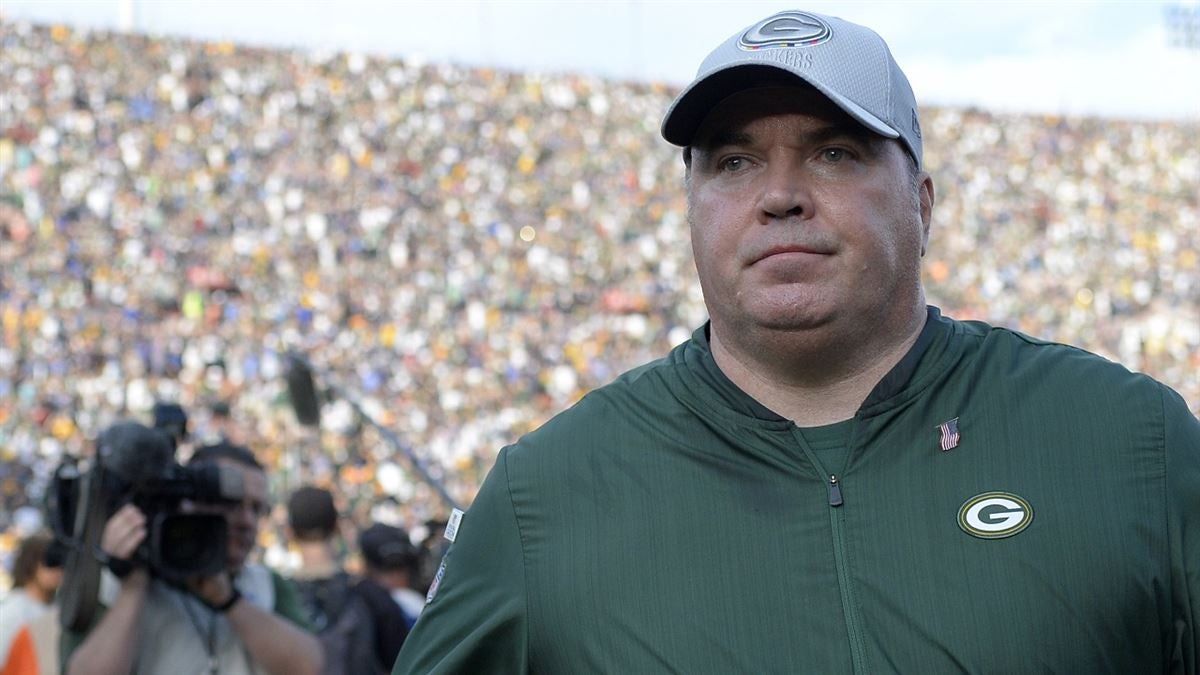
(692, 105)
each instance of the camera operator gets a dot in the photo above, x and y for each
(244, 620)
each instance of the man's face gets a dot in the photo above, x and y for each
(801, 218)
(242, 518)
(48, 579)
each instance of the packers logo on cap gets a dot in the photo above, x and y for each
(994, 515)
(786, 29)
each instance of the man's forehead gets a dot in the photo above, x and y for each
(254, 479)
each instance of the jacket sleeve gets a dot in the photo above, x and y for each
(475, 621)
(1182, 441)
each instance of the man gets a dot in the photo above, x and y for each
(829, 477)
(359, 625)
(392, 561)
(431, 548)
(244, 620)
(221, 425)
(37, 573)
(172, 419)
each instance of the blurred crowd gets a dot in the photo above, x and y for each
(462, 252)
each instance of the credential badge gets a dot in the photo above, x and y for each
(452, 524)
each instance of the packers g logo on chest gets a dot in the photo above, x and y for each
(994, 515)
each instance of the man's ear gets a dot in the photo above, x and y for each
(926, 195)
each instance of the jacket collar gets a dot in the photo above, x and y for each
(698, 356)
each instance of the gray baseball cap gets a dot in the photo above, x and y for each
(848, 63)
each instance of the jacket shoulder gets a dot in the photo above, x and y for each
(1030, 368)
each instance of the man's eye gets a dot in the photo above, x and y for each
(833, 154)
(733, 163)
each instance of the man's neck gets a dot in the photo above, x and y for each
(807, 399)
(317, 560)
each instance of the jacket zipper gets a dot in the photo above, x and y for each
(835, 491)
(858, 657)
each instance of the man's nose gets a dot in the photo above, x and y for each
(240, 517)
(785, 193)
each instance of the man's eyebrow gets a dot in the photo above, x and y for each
(725, 138)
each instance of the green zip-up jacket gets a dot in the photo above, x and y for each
(997, 505)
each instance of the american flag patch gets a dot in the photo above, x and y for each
(949, 434)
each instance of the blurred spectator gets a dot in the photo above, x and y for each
(360, 626)
(222, 426)
(171, 418)
(392, 561)
(37, 573)
(429, 555)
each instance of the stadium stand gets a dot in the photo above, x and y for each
(468, 249)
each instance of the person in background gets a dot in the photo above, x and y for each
(244, 620)
(360, 626)
(221, 425)
(431, 550)
(392, 560)
(37, 573)
(172, 419)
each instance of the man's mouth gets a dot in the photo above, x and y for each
(794, 250)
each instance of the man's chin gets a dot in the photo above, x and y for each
(789, 306)
(790, 317)
(237, 560)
